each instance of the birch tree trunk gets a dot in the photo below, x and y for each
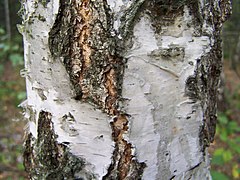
(122, 89)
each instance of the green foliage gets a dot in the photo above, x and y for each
(219, 176)
(10, 51)
(11, 153)
(226, 131)
(11, 91)
(221, 156)
(11, 94)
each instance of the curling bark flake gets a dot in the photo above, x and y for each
(121, 89)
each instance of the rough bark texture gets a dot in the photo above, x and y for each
(44, 158)
(121, 89)
(82, 36)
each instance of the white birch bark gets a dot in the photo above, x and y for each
(121, 89)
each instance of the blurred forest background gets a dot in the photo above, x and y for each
(225, 151)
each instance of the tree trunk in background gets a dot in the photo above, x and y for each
(236, 57)
(121, 89)
(7, 19)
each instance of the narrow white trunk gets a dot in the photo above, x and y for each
(148, 110)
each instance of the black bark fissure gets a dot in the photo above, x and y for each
(44, 158)
(124, 164)
(82, 36)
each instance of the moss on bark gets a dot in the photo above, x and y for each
(45, 158)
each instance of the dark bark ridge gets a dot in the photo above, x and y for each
(204, 84)
(84, 38)
(44, 158)
(209, 70)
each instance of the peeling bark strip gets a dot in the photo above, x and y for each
(44, 158)
(82, 37)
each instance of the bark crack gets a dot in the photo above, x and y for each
(124, 165)
(89, 51)
(45, 158)
(95, 67)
